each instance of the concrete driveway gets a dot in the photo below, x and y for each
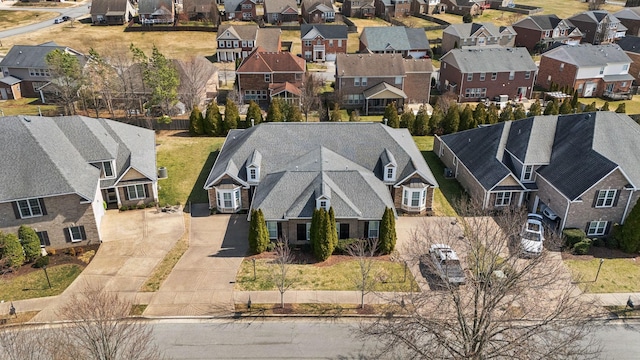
(202, 281)
(133, 244)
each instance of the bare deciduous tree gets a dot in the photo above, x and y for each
(309, 97)
(100, 328)
(364, 250)
(196, 73)
(532, 312)
(280, 272)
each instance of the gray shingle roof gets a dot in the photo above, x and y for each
(589, 55)
(630, 43)
(45, 156)
(151, 6)
(498, 59)
(326, 31)
(467, 29)
(379, 65)
(396, 37)
(33, 56)
(299, 157)
(101, 7)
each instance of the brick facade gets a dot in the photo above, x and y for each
(261, 82)
(331, 46)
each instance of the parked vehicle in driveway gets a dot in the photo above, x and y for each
(532, 236)
(548, 213)
(447, 264)
(58, 21)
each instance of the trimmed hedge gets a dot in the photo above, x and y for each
(582, 247)
(573, 236)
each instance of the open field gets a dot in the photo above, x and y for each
(566, 8)
(616, 275)
(10, 19)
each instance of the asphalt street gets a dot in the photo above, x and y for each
(73, 12)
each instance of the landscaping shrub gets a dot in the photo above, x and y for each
(123, 208)
(573, 236)
(11, 250)
(598, 242)
(387, 232)
(258, 232)
(582, 247)
(611, 243)
(271, 246)
(72, 251)
(41, 261)
(343, 246)
(142, 206)
(30, 242)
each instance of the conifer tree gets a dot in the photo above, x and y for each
(565, 108)
(574, 100)
(231, 116)
(451, 121)
(492, 114)
(622, 108)
(336, 114)
(406, 121)
(519, 112)
(591, 107)
(212, 120)
(480, 113)
(30, 242)
(254, 113)
(391, 114)
(294, 114)
(421, 124)
(12, 250)
(466, 119)
(263, 233)
(275, 113)
(334, 233)
(506, 114)
(435, 121)
(388, 235)
(630, 234)
(196, 122)
(535, 109)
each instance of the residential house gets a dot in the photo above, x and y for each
(463, 7)
(630, 18)
(240, 10)
(631, 47)
(237, 41)
(585, 167)
(388, 9)
(409, 42)
(476, 73)
(427, 7)
(60, 174)
(369, 82)
(538, 32)
(359, 8)
(26, 72)
(265, 75)
(322, 42)
(156, 11)
(477, 34)
(592, 70)
(317, 11)
(599, 27)
(112, 12)
(288, 170)
(198, 81)
(279, 11)
(201, 10)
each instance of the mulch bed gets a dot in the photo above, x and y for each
(303, 257)
(598, 253)
(61, 257)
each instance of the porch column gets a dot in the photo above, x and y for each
(118, 197)
(520, 199)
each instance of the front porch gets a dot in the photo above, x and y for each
(379, 96)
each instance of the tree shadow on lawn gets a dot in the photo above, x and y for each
(198, 193)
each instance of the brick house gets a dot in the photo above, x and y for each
(476, 73)
(279, 11)
(592, 70)
(322, 42)
(427, 7)
(408, 42)
(288, 170)
(585, 167)
(263, 75)
(387, 9)
(156, 11)
(317, 11)
(202, 10)
(359, 8)
(631, 47)
(237, 41)
(26, 72)
(240, 10)
(538, 32)
(112, 12)
(463, 7)
(477, 34)
(369, 82)
(599, 27)
(83, 166)
(630, 18)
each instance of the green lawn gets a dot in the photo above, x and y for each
(341, 276)
(34, 284)
(616, 275)
(632, 106)
(188, 161)
(26, 106)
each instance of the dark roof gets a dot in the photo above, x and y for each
(101, 7)
(379, 65)
(326, 31)
(151, 6)
(630, 43)
(381, 38)
(33, 56)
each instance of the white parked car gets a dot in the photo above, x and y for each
(532, 236)
(548, 213)
(447, 264)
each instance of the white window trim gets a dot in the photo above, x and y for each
(236, 199)
(31, 207)
(407, 198)
(374, 231)
(503, 198)
(597, 228)
(527, 169)
(386, 173)
(609, 196)
(104, 173)
(271, 230)
(253, 177)
(327, 203)
(136, 192)
(74, 239)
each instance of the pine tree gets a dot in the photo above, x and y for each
(391, 114)
(294, 114)
(30, 242)
(574, 100)
(253, 113)
(605, 106)
(519, 113)
(565, 108)
(535, 109)
(327, 233)
(196, 122)
(231, 116)
(321, 226)
(406, 120)
(492, 114)
(275, 112)
(435, 121)
(480, 113)
(263, 233)
(212, 120)
(254, 232)
(622, 108)
(336, 114)
(466, 119)
(313, 231)
(334, 233)
(388, 235)
(552, 108)
(421, 124)
(506, 114)
(591, 107)
(12, 250)
(451, 121)
(630, 234)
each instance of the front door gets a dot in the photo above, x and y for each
(588, 89)
(112, 197)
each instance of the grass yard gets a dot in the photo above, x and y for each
(616, 275)
(34, 284)
(566, 8)
(342, 276)
(26, 106)
(363, 23)
(11, 19)
(188, 161)
(632, 106)
(317, 309)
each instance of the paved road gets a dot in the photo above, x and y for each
(74, 12)
(316, 339)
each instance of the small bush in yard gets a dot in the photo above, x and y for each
(271, 246)
(12, 250)
(582, 247)
(41, 261)
(611, 243)
(343, 246)
(30, 242)
(573, 236)
(598, 242)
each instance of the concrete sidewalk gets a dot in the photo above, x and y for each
(315, 297)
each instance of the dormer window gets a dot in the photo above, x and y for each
(390, 173)
(254, 174)
(323, 203)
(253, 166)
(389, 162)
(107, 170)
(527, 173)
